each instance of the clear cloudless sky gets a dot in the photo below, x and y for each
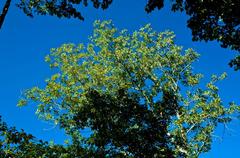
(24, 42)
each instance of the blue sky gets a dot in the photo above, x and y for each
(24, 42)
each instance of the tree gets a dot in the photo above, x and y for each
(4, 12)
(214, 20)
(136, 92)
(68, 9)
(209, 19)
(59, 8)
(14, 143)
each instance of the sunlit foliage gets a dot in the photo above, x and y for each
(136, 92)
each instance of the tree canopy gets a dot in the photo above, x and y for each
(209, 20)
(17, 143)
(136, 92)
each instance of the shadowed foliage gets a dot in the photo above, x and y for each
(122, 127)
(14, 143)
(60, 8)
(209, 20)
(212, 20)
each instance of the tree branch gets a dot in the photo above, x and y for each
(4, 12)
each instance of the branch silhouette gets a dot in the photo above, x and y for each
(4, 12)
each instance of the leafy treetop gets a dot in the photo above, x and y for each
(132, 90)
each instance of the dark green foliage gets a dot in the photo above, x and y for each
(121, 127)
(69, 9)
(209, 20)
(214, 20)
(59, 8)
(152, 4)
(235, 63)
(124, 127)
(14, 143)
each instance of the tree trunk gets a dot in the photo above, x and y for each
(4, 12)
